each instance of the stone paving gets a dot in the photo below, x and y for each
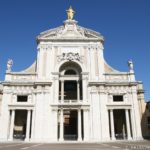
(120, 145)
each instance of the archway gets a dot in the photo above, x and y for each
(70, 92)
(70, 82)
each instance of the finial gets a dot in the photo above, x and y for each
(70, 13)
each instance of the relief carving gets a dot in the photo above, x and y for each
(69, 56)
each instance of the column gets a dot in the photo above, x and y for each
(62, 91)
(78, 91)
(133, 124)
(33, 124)
(112, 124)
(12, 119)
(128, 125)
(86, 124)
(55, 88)
(28, 125)
(61, 131)
(84, 87)
(79, 125)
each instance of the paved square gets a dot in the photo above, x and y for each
(136, 145)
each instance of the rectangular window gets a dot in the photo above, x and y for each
(22, 98)
(118, 98)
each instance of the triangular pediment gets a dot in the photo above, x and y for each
(70, 30)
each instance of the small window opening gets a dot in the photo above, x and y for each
(118, 98)
(22, 98)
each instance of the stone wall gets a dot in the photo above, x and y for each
(144, 111)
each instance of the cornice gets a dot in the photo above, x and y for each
(91, 83)
(27, 83)
(20, 73)
(70, 40)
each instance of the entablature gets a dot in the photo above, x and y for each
(98, 83)
(70, 107)
(72, 103)
(42, 83)
(113, 107)
(112, 89)
(14, 106)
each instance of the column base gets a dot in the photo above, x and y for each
(85, 139)
(113, 139)
(10, 139)
(27, 140)
(61, 140)
(79, 139)
(138, 138)
(129, 138)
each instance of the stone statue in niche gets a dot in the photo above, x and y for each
(9, 65)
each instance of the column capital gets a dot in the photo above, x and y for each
(55, 109)
(61, 108)
(86, 109)
(79, 109)
(111, 110)
(29, 109)
(12, 109)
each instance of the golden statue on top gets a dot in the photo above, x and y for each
(70, 13)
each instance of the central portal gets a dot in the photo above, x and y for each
(70, 125)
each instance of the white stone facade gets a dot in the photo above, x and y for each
(68, 57)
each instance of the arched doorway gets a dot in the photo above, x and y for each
(70, 82)
(70, 91)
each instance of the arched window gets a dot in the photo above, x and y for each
(70, 72)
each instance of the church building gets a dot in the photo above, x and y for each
(70, 93)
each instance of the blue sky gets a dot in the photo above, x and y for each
(125, 24)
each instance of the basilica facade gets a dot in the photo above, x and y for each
(70, 93)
